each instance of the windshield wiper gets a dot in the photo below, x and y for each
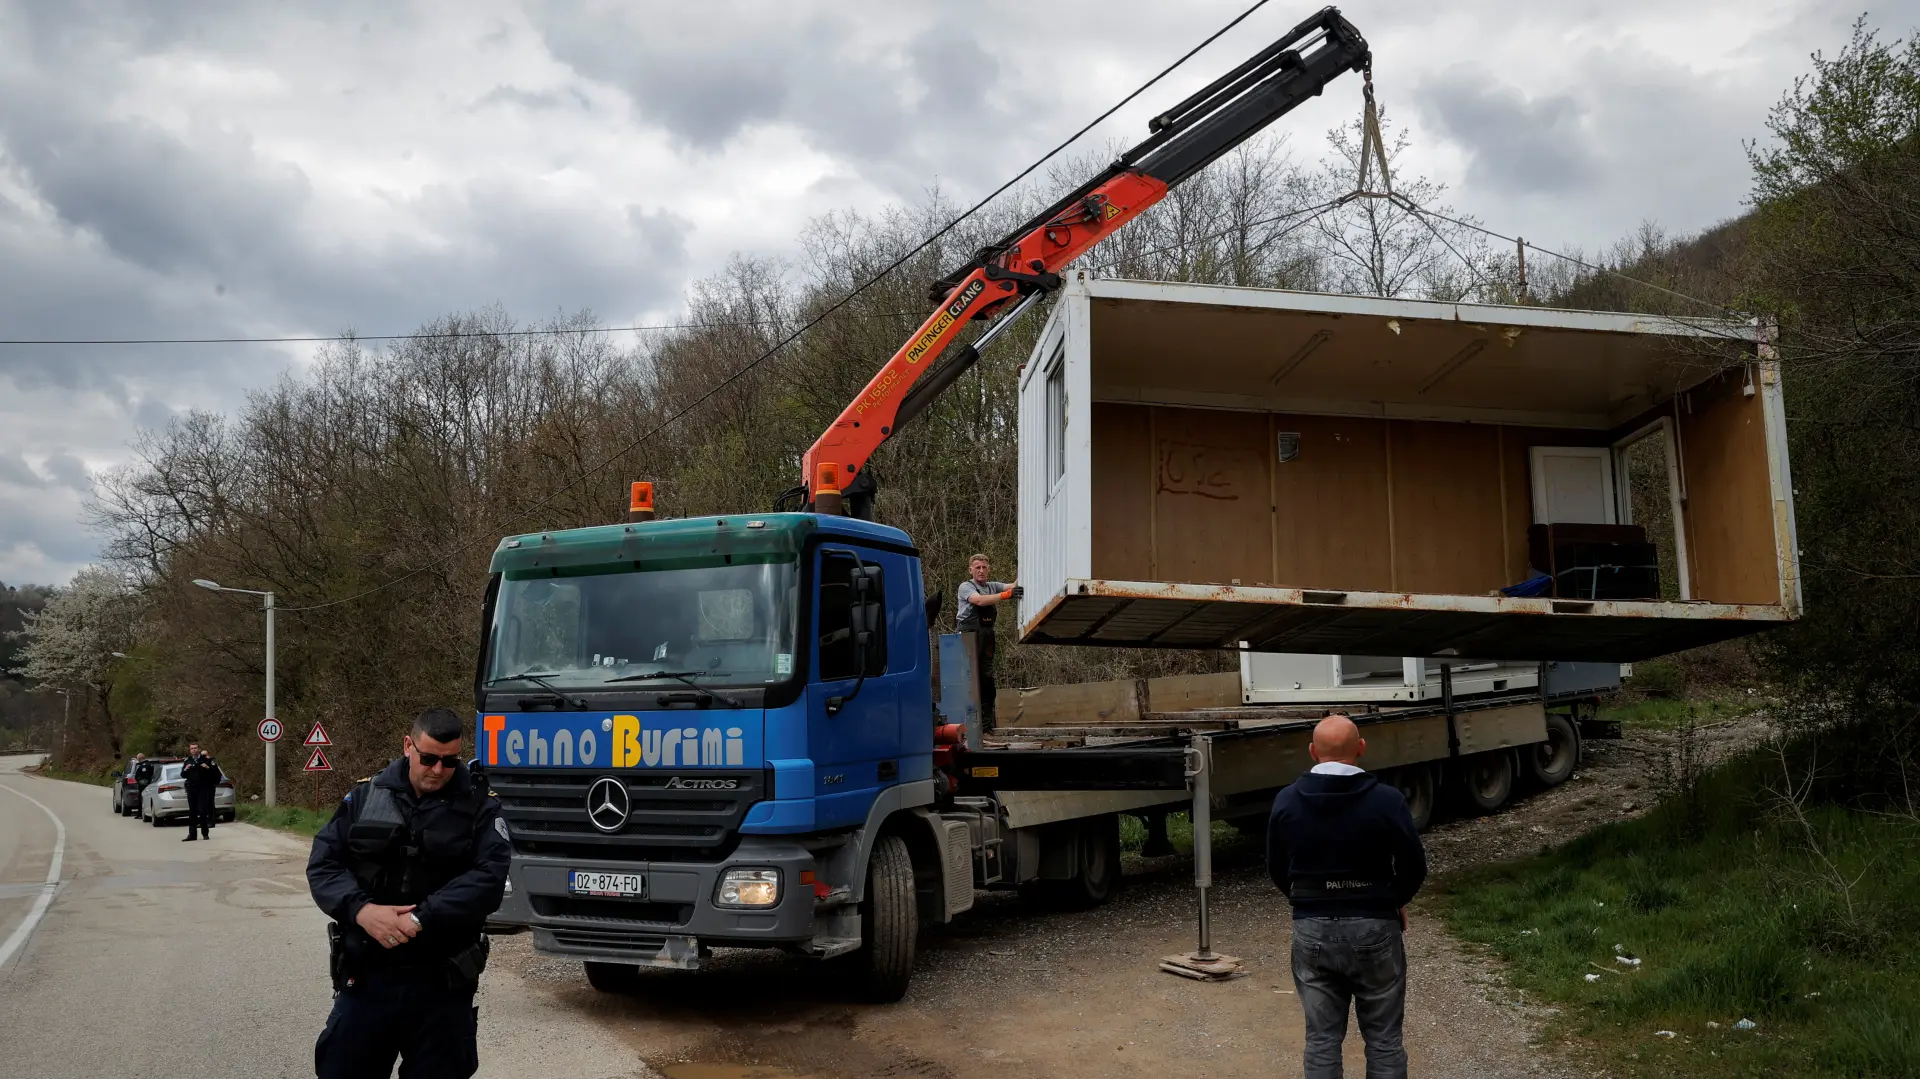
(536, 678)
(683, 677)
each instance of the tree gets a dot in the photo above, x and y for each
(1836, 251)
(1378, 247)
(70, 643)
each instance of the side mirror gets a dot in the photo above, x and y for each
(116, 774)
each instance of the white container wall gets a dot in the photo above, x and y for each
(1208, 467)
(1304, 678)
(1056, 512)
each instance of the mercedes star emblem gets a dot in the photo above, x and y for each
(607, 804)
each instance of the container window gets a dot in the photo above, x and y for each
(1057, 415)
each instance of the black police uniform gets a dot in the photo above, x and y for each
(200, 775)
(444, 852)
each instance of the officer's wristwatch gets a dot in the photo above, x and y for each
(416, 920)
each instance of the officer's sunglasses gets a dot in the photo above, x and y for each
(435, 760)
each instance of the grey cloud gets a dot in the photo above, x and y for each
(1516, 144)
(15, 470)
(701, 88)
(213, 207)
(534, 100)
(69, 471)
(904, 111)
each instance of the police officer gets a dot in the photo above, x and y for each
(409, 868)
(201, 774)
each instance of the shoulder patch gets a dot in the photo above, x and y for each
(500, 825)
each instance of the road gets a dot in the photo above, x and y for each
(205, 959)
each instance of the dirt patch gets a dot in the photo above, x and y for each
(1007, 992)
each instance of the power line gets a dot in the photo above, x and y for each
(1424, 212)
(418, 336)
(810, 323)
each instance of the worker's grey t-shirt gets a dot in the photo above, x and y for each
(970, 617)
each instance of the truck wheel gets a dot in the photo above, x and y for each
(613, 977)
(1415, 783)
(889, 923)
(1096, 871)
(1549, 763)
(1486, 779)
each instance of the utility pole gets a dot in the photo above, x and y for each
(267, 789)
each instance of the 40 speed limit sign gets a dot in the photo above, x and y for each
(270, 730)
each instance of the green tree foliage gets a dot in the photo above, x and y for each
(1835, 248)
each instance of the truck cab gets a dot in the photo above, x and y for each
(701, 730)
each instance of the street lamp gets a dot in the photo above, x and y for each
(212, 586)
(66, 716)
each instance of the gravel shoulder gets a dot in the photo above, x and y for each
(1007, 992)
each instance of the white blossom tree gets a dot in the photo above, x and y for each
(70, 643)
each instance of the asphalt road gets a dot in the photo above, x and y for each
(203, 959)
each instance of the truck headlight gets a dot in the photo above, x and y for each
(748, 888)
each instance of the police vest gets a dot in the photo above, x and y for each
(400, 855)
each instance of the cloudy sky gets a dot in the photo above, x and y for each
(246, 169)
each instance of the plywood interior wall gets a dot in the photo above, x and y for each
(1729, 516)
(1199, 496)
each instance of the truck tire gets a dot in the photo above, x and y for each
(889, 923)
(613, 977)
(1486, 779)
(1096, 870)
(1549, 763)
(1415, 783)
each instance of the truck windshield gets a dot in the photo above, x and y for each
(717, 625)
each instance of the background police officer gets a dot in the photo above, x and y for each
(409, 868)
(200, 773)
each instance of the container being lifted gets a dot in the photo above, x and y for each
(1211, 467)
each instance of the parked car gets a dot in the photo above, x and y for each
(125, 789)
(126, 786)
(165, 799)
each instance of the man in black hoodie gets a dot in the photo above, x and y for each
(1343, 847)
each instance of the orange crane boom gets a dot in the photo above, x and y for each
(1005, 278)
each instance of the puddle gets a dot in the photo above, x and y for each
(728, 1072)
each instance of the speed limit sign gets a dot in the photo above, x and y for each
(270, 730)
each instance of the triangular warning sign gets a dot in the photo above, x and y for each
(317, 737)
(318, 762)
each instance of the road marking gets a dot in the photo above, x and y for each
(25, 928)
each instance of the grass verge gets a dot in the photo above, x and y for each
(1667, 713)
(98, 779)
(294, 819)
(1735, 911)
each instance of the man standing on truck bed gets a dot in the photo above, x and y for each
(1343, 847)
(977, 600)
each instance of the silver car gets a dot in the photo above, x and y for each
(165, 799)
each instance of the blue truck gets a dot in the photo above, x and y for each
(722, 732)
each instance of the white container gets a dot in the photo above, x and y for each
(1204, 466)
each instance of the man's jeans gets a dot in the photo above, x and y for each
(1362, 960)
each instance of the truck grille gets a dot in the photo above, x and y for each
(546, 813)
(626, 913)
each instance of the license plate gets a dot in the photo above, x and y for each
(618, 885)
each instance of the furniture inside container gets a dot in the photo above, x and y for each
(1309, 449)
